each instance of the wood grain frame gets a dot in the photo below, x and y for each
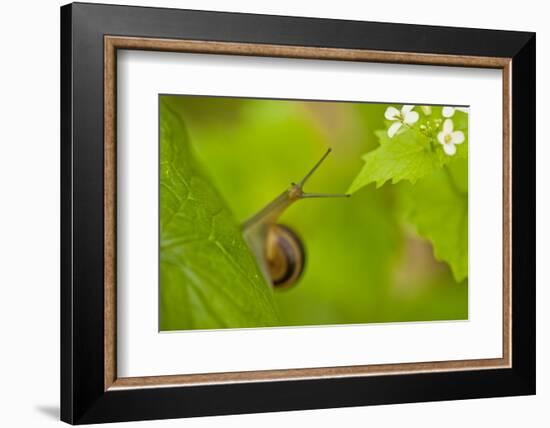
(114, 43)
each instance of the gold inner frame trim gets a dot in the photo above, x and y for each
(113, 43)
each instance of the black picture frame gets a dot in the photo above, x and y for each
(83, 396)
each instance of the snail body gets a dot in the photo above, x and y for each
(278, 249)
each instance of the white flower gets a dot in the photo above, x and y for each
(449, 138)
(405, 116)
(450, 111)
(427, 110)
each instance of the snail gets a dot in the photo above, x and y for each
(278, 249)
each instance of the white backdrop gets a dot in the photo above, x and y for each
(29, 226)
(142, 351)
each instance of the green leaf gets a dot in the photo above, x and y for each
(406, 156)
(208, 275)
(438, 206)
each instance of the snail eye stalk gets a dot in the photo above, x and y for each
(326, 195)
(310, 173)
(300, 185)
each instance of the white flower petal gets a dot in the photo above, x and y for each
(392, 130)
(457, 137)
(427, 110)
(448, 111)
(463, 109)
(406, 109)
(448, 126)
(411, 117)
(441, 138)
(391, 113)
(450, 149)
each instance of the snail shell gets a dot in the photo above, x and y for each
(285, 257)
(277, 248)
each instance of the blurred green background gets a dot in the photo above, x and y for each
(364, 262)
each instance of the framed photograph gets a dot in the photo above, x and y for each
(265, 213)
